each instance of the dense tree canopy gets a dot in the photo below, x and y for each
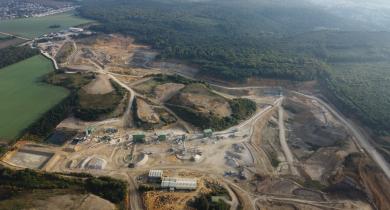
(11, 55)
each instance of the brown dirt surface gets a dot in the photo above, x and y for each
(317, 133)
(145, 113)
(377, 183)
(165, 91)
(57, 200)
(100, 85)
(321, 164)
(201, 99)
(360, 173)
(114, 53)
(10, 42)
(276, 186)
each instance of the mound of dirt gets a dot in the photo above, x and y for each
(166, 91)
(100, 85)
(145, 113)
(201, 99)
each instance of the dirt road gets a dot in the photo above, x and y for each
(283, 142)
(361, 139)
(135, 201)
(126, 115)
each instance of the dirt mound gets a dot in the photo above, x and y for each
(145, 113)
(165, 91)
(201, 99)
(100, 85)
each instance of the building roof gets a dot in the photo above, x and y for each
(155, 173)
(178, 183)
(207, 131)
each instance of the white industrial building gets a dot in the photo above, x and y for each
(76, 30)
(154, 174)
(174, 183)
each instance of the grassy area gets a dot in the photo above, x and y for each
(34, 27)
(23, 98)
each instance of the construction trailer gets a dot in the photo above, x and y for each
(139, 138)
(89, 131)
(174, 183)
(207, 132)
(162, 137)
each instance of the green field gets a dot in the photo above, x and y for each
(23, 98)
(34, 27)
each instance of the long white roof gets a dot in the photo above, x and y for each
(178, 183)
(155, 173)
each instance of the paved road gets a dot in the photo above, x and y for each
(361, 139)
(51, 58)
(283, 142)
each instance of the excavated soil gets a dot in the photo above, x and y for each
(198, 97)
(166, 91)
(145, 113)
(100, 85)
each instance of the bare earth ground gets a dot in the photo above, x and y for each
(100, 85)
(57, 200)
(318, 142)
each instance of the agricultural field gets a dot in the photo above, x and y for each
(23, 96)
(6, 41)
(34, 27)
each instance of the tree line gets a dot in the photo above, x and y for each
(11, 55)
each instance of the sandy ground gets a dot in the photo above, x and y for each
(166, 91)
(145, 113)
(73, 202)
(100, 85)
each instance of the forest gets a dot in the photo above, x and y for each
(235, 41)
(11, 55)
(17, 182)
(221, 38)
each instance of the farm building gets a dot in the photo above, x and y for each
(174, 183)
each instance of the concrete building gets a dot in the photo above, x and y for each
(174, 183)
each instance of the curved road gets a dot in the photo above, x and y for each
(283, 142)
(362, 141)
